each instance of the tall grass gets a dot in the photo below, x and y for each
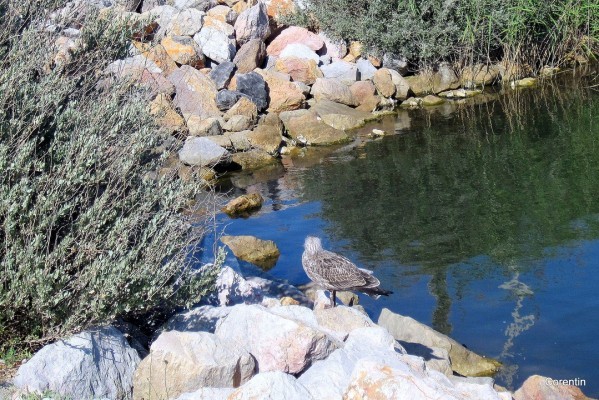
(88, 231)
(426, 32)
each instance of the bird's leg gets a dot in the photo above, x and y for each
(333, 297)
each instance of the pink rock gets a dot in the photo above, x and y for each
(541, 388)
(294, 34)
(300, 69)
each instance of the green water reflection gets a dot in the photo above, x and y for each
(506, 179)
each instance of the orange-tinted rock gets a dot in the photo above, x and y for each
(334, 90)
(183, 50)
(162, 109)
(365, 94)
(244, 106)
(383, 82)
(300, 69)
(278, 8)
(223, 13)
(196, 93)
(158, 54)
(294, 34)
(284, 95)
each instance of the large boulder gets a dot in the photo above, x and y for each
(253, 86)
(328, 379)
(202, 5)
(203, 126)
(250, 56)
(300, 69)
(409, 380)
(272, 385)
(97, 363)
(166, 116)
(223, 13)
(263, 253)
(305, 127)
(243, 106)
(341, 320)
(479, 75)
(158, 55)
(334, 90)
(283, 95)
(345, 71)
(196, 93)
(539, 387)
(277, 343)
(294, 34)
(181, 362)
(251, 160)
(252, 24)
(202, 152)
(463, 361)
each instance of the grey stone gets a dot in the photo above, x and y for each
(253, 86)
(92, 364)
(252, 24)
(222, 73)
(202, 5)
(344, 71)
(366, 69)
(198, 126)
(150, 4)
(225, 99)
(398, 63)
(202, 152)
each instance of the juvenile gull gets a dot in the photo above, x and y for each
(335, 272)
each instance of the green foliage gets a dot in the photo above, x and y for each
(89, 230)
(428, 31)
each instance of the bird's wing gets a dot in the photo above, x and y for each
(338, 271)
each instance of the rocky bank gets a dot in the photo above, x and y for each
(258, 339)
(239, 88)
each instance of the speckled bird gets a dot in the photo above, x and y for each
(334, 272)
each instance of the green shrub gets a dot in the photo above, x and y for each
(88, 230)
(470, 31)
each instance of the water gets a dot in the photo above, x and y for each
(483, 219)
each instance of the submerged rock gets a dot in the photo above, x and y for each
(92, 364)
(243, 204)
(263, 253)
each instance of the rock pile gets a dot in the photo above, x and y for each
(256, 343)
(231, 78)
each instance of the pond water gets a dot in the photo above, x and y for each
(483, 218)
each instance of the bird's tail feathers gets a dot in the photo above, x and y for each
(376, 292)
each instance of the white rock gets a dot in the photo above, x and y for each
(252, 24)
(277, 343)
(92, 364)
(300, 51)
(180, 362)
(342, 70)
(272, 386)
(216, 44)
